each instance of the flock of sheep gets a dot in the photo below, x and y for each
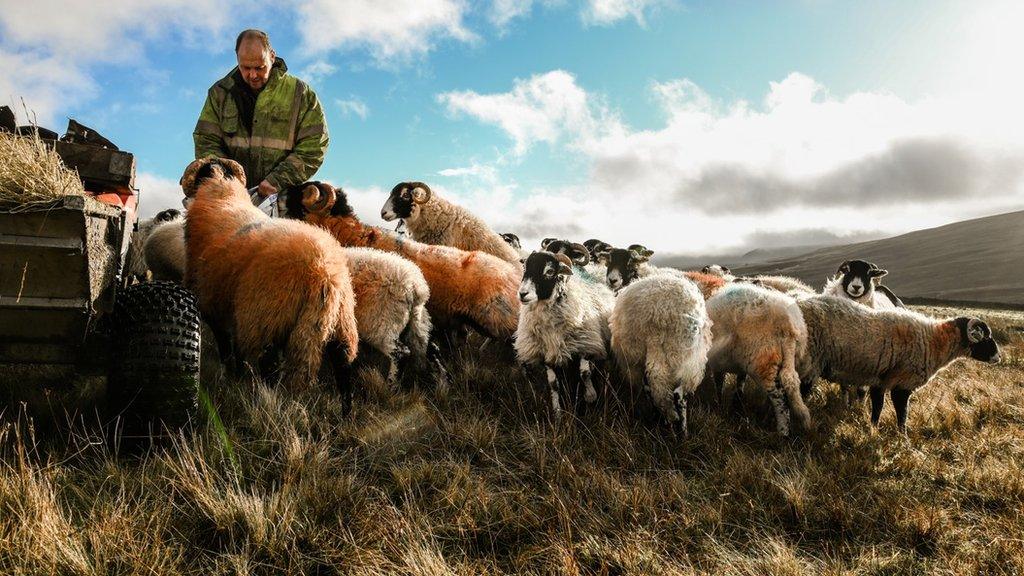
(319, 284)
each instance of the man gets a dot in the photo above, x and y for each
(267, 120)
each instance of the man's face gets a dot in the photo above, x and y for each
(254, 63)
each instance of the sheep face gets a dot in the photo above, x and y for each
(859, 277)
(716, 269)
(166, 215)
(405, 201)
(976, 336)
(623, 267)
(512, 240)
(577, 253)
(292, 202)
(542, 275)
(212, 168)
(595, 246)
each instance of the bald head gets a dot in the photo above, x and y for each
(255, 57)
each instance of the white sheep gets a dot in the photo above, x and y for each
(431, 219)
(895, 351)
(135, 261)
(759, 333)
(165, 251)
(719, 270)
(391, 297)
(562, 318)
(660, 336)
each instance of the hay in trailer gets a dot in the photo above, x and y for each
(32, 174)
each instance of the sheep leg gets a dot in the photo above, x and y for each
(737, 391)
(900, 401)
(782, 416)
(589, 394)
(719, 378)
(877, 402)
(807, 387)
(556, 406)
(438, 369)
(335, 352)
(681, 406)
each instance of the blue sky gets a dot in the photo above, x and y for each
(689, 126)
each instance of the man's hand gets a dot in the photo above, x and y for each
(266, 189)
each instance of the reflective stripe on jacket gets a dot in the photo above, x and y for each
(289, 136)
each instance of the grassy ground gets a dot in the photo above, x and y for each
(482, 482)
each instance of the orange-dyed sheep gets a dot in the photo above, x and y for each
(267, 282)
(473, 288)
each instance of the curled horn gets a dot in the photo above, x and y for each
(235, 168)
(421, 198)
(566, 264)
(316, 202)
(188, 179)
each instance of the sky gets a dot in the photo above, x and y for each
(689, 126)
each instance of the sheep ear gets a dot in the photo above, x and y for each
(844, 267)
(877, 273)
(421, 193)
(977, 331)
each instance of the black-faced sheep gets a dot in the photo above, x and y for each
(165, 251)
(267, 282)
(473, 288)
(860, 281)
(562, 318)
(431, 219)
(136, 266)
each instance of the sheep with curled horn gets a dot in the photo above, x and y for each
(266, 284)
(431, 219)
(470, 288)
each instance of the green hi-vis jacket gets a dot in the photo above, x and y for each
(289, 135)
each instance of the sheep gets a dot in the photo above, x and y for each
(718, 270)
(391, 316)
(860, 281)
(135, 262)
(165, 251)
(595, 246)
(785, 284)
(562, 318)
(513, 241)
(660, 336)
(623, 266)
(894, 351)
(431, 219)
(473, 288)
(267, 282)
(759, 334)
(580, 257)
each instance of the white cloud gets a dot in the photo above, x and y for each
(485, 173)
(157, 193)
(718, 172)
(606, 12)
(353, 106)
(393, 32)
(504, 11)
(44, 82)
(545, 108)
(318, 71)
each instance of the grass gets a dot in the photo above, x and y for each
(482, 482)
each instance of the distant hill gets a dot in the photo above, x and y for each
(980, 260)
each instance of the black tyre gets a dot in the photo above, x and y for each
(154, 371)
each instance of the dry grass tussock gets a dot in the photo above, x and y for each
(32, 175)
(480, 482)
